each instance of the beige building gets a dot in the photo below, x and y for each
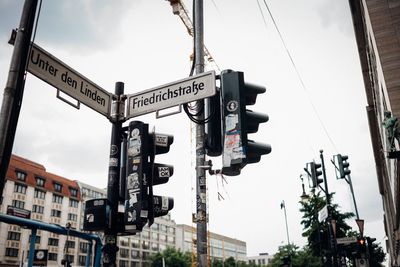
(219, 247)
(377, 30)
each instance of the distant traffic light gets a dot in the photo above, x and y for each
(141, 206)
(342, 165)
(362, 245)
(238, 122)
(315, 172)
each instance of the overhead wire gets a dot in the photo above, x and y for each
(299, 77)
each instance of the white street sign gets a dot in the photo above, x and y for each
(172, 94)
(346, 240)
(323, 214)
(53, 71)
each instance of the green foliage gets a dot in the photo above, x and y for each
(317, 234)
(172, 258)
(299, 258)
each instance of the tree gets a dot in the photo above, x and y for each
(298, 258)
(317, 234)
(172, 258)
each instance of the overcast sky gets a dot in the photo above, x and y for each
(144, 45)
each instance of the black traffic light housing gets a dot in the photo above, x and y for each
(314, 169)
(342, 166)
(238, 122)
(141, 206)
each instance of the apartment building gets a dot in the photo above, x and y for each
(220, 247)
(47, 197)
(377, 31)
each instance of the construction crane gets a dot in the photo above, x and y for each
(178, 8)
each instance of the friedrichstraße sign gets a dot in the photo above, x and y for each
(171, 94)
(53, 71)
(346, 240)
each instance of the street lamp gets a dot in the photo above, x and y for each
(304, 197)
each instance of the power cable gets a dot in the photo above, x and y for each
(299, 77)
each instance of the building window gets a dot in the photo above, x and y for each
(73, 191)
(57, 187)
(81, 260)
(135, 243)
(83, 247)
(56, 213)
(123, 263)
(37, 239)
(70, 244)
(124, 253)
(14, 236)
(70, 258)
(39, 194)
(21, 175)
(52, 256)
(20, 188)
(154, 235)
(18, 204)
(72, 217)
(52, 242)
(73, 203)
(40, 181)
(38, 209)
(57, 199)
(163, 228)
(11, 252)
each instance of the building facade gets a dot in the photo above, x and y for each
(48, 198)
(219, 247)
(377, 31)
(262, 259)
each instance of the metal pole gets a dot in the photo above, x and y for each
(328, 204)
(110, 237)
(32, 247)
(201, 192)
(13, 93)
(352, 194)
(287, 229)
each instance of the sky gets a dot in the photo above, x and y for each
(316, 103)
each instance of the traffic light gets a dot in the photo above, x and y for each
(342, 165)
(315, 172)
(362, 245)
(141, 206)
(213, 126)
(238, 122)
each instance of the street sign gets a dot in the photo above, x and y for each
(346, 240)
(323, 214)
(56, 73)
(171, 94)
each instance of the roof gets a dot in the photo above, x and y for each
(33, 170)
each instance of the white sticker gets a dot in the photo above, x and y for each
(164, 205)
(161, 140)
(231, 121)
(133, 181)
(134, 146)
(203, 197)
(163, 172)
(113, 162)
(90, 217)
(131, 216)
(132, 198)
(144, 213)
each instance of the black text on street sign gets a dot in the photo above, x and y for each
(53, 71)
(172, 94)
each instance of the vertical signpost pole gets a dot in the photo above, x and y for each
(328, 204)
(110, 237)
(201, 192)
(13, 93)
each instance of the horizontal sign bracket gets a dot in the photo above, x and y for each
(77, 105)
